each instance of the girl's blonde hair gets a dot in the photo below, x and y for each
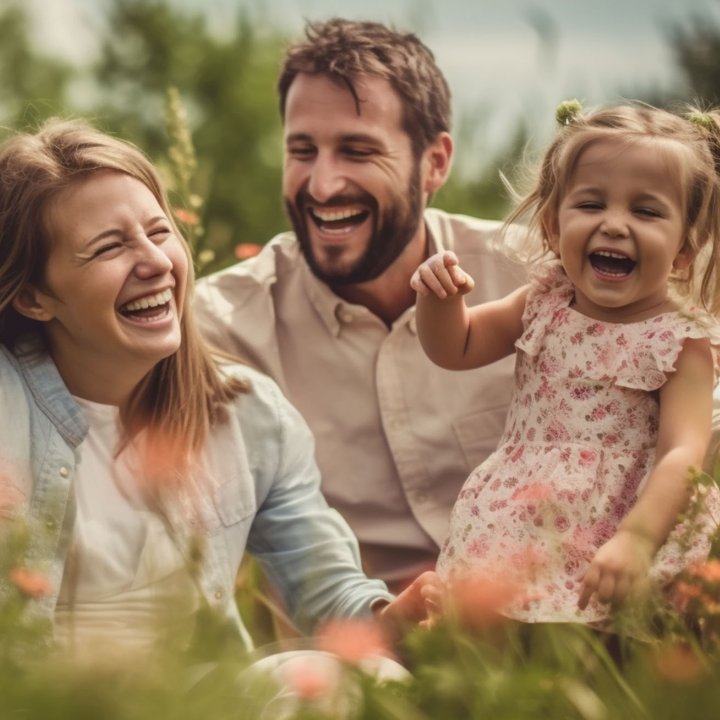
(691, 139)
(184, 394)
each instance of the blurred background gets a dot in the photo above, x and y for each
(508, 64)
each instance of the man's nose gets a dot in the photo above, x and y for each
(326, 179)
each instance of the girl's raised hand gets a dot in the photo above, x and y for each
(442, 276)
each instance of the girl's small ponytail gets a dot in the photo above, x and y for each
(709, 124)
(568, 112)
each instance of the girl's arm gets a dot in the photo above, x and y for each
(683, 438)
(452, 335)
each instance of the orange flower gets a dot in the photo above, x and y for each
(243, 251)
(186, 216)
(30, 583)
(709, 570)
(353, 640)
(478, 601)
(678, 663)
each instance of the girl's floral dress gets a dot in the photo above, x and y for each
(578, 443)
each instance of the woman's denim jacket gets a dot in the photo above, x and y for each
(268, 502)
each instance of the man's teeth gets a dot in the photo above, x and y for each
(144, 303)
(330, 215)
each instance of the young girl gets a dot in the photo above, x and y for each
(614, 367)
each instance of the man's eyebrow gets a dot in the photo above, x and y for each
(351, 137)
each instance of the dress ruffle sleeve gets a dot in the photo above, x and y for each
(550, 292)
(636, 355)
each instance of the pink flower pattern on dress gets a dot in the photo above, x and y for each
(579, 441)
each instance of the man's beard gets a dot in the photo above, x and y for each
(390, 236)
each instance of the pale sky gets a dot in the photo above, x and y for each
(505, 60)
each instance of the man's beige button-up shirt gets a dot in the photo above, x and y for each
(396, 436)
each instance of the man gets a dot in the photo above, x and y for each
(328, 310)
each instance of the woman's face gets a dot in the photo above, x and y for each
(114, 285)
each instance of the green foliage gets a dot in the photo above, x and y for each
(33, 86)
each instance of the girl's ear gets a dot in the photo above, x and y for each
(684, 258)
(33, 304)
(551, 233)
(437, 160)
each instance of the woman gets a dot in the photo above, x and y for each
(150, 464)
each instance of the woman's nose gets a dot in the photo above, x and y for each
(152, 259)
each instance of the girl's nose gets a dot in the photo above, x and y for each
(614, 224)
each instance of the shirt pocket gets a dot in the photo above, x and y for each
(478, 434)
(235, 501)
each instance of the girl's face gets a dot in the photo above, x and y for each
(114, 286)
(620, 230)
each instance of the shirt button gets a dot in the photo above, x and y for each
(50, 524)
(219, 594)
(422, 497)
(64, 472)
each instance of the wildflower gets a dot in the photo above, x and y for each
(534, 492)
(477, 601)
(678, 663)
(186, 216)
(709, 571)
(247, 250)
(309, 680)
(31, 583)
(353, 640)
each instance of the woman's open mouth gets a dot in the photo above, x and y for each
(148, 308)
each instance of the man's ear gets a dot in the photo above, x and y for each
(437, 160)
(33, 304)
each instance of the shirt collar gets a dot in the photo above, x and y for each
(48, 389)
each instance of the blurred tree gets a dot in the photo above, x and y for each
(697, 50)
(33, 86)
(227, 86)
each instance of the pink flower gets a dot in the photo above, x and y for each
(353, 640)
(476, 601)
(534, 492)
(709, 571)
(188, 217)
(31, 583)
(309, 681)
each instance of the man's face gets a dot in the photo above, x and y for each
(351, 185)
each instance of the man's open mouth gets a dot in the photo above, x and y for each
(334, 219)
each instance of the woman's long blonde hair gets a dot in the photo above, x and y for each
(184, 394)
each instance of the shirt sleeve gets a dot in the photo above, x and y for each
(304, 546)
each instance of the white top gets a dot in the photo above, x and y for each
(124, 570)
